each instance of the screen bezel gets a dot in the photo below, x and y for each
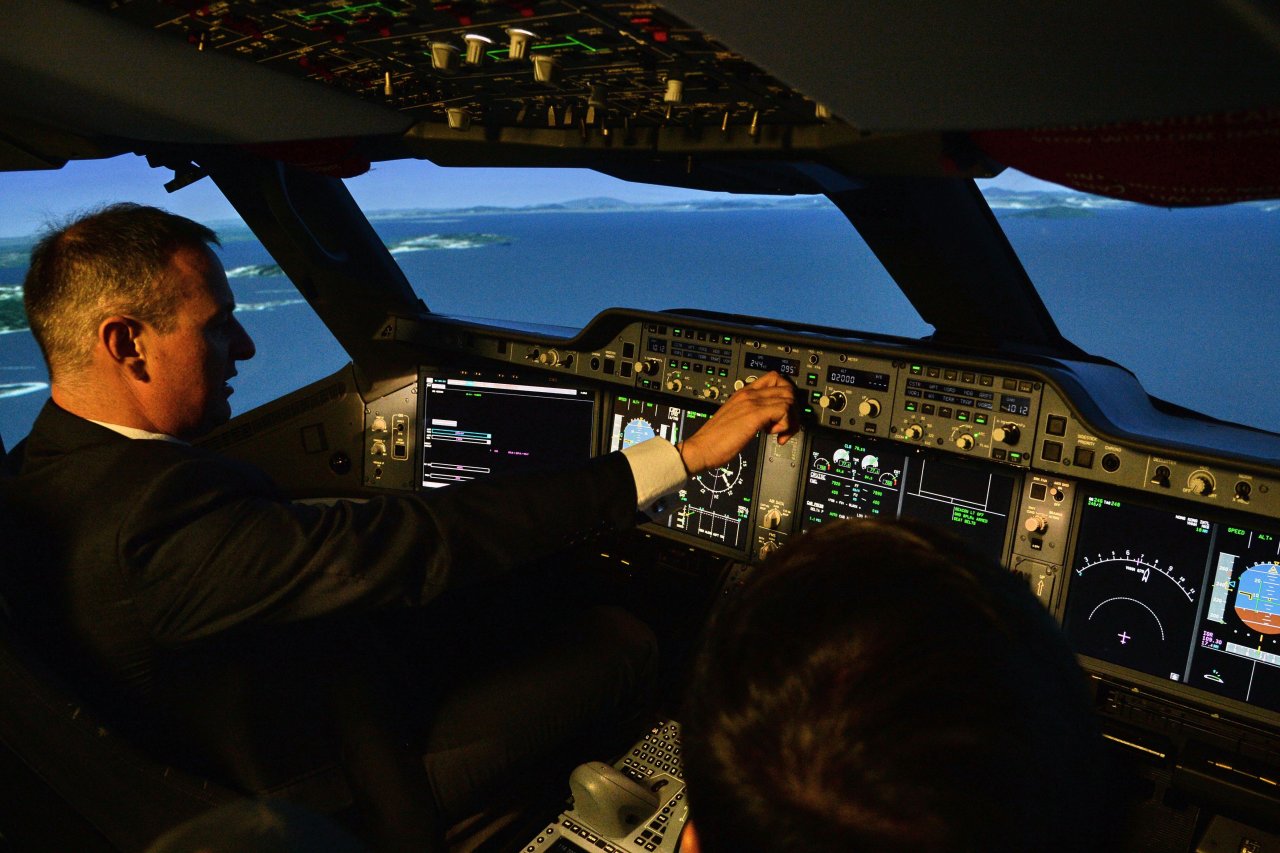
(492, 374)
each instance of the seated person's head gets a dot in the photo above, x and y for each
(878, 687)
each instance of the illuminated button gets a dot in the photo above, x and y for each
(944, 411)
(1024, 385)
(927, 408)
(962, 416)
(910, 406)
(1084, 457)
(916, 370)
(811, 380)
(986, 381)
(932, 372)
(1010, 384)
(980, 418)
(1039, 491)
(999, 454)
(967, 377)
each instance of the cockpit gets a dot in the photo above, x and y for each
(814, 191)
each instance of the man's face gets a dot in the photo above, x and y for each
(189, 365)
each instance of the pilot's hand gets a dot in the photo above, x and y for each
(767, 404)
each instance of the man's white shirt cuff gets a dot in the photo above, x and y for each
(657, 469)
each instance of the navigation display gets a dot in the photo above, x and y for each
(1179, 597)
(862, 477)
(716, 505)
(474, 426)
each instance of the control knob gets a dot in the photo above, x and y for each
(674, 384)
(964, 441)
(710, 393)
(773, 519)
(1036, 524)
(869, 408)
(767, 548)
(835, 401)
(1006, 434)
(550, 357)
(648, 367)
(1201, 483)
(914, 432)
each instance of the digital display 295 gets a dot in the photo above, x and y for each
(761, 361)
(858, 378)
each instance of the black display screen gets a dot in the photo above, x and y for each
(1178, 597)
(763, 362)
(472, 427)
(858, 378)
(851, 477)
(714, 506)
(1015, 405)
(862, 477)
(969, 500)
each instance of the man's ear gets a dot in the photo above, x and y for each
(689, 839)
(122, 339)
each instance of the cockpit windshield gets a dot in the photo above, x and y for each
(1177, 296)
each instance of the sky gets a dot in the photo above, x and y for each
(32, 199)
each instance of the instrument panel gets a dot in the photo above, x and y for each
(1158, 555)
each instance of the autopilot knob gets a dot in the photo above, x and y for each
(1006, 434)
(767, 548)
(648, 366)
(675, 383)
(913, 432)
(964, 441)
(869, 408)
(835, 401)
(773, 519)
(710, 393)
(549, 356)
(1036, 524)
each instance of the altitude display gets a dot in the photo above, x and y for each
(971, 502)
(1137, 585)
(715, 505)
(851, 477)
(1237, 644)
(473, 428)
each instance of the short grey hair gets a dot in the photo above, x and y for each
(106, 262)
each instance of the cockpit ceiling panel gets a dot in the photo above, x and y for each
(585, 67)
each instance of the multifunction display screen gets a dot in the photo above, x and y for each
(474, 427)
(861, 477)
(1178, 597)
(715, 505)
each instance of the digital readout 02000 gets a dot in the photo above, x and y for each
(855, 378)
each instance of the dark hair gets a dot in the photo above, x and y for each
(109, 261)
(879, 687)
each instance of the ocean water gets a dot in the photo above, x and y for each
(1190, 307)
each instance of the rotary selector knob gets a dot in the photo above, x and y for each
(674, 383)
(1006, 434)
(964, 441)
(773, 519)
(914, 432)
(767, 548)
(869, 408)
(549, 356)
(1201, 483)
(648, 367)
(711, 393)
(1036, 524)
(835, 401)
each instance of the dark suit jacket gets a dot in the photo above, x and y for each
(145, 555)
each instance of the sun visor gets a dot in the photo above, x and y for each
(74, 68)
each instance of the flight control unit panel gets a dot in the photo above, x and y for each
(1156, 544)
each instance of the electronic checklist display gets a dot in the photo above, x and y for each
(475, 425)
